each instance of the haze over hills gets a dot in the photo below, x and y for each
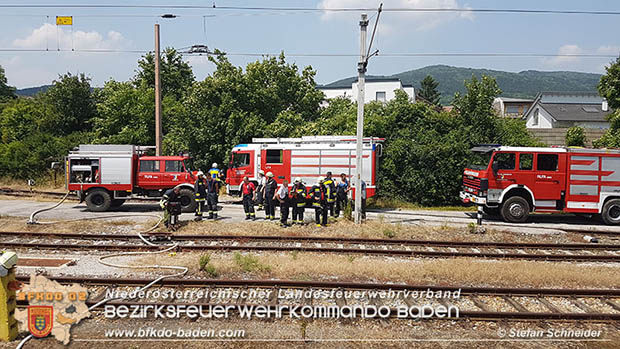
(525, 84)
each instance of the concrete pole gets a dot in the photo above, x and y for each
(158, 131)
(361, 69)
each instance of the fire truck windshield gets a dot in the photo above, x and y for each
(240, 160)
(480, 160)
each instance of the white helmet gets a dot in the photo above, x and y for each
(200, 173)
(269, 174)
(261, 172)
(320, 179)
(214, 165)
(297, 180)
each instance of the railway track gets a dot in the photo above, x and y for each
(388, 247)
(479, 303)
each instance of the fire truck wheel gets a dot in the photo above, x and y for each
(611, 212)
(98, 200)
(188, 204)
(515, 210)
(117, 202)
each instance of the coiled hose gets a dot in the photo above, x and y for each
(182, 270)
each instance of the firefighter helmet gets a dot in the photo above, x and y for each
(297, 180)
(269, 174)
(261, 172)
(200, 174)
(214, 165)
(320, 179)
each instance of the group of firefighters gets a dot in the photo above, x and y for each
(328, 197)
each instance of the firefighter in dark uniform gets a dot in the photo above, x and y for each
(213, 188)
(330, 194)
(319, 203)
(171, 205)
(342, 191)
(270, 189)
(248, 191)
(299, 201)
(200, 192)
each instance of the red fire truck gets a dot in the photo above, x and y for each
(106, 175)
(515, 181)
(306, 157)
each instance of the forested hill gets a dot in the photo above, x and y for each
(523, 84)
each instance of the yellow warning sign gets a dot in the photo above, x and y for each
(64, 20)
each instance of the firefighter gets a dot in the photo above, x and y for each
(319, 203)
(330, 194)
(248, 190)
(167, 203)
(342, 192)
(270, 189)
(213, 186)
(282, 195)
(260, 190)
(218, 175)
(214, 172)
(200, 191)
(299, 201)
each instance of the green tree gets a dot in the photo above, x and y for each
(475, 107)
(72, 99)
(233, 105)
(428, 90)
(609, 88)
(176, 75)
(576, 137)
(6, 91)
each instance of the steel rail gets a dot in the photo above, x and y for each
(365, 251)
(438, 243)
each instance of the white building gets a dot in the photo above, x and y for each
(567, 109)
(381, 90)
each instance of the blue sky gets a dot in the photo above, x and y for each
(264, 32)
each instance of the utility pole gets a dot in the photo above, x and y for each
(361, 69)
(158, 132)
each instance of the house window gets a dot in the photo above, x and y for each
(535, 118)
(547, 162)
(380, 96)
(149, 165)
(274, 156)
(512, 109)
(174, 166)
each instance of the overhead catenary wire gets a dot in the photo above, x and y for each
(318, 9)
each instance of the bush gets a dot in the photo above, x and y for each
(576, 137)
(250, 263)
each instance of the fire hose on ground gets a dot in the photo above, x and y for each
(181, 270)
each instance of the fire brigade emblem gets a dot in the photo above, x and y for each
(40, 320)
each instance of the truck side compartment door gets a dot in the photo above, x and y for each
(149, 175)
(550, 178)
(277, 161)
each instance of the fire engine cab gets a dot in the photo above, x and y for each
(306, 157)
(105, 175)
(515, 181)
